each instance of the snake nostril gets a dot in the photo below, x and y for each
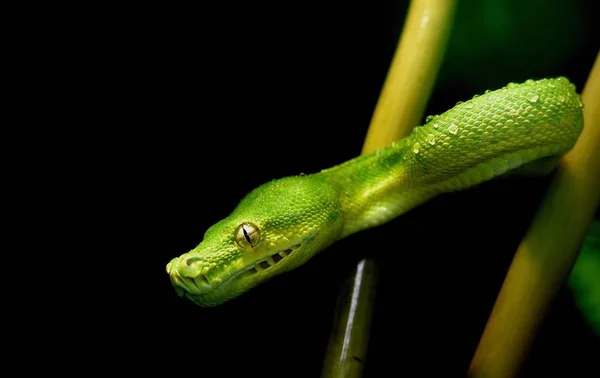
(190, 260)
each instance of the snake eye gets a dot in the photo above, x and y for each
(247, 235)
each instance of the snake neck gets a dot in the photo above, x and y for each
(375, 188)
(473, 142)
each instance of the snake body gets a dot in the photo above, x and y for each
(283, 223)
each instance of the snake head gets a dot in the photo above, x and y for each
(275, 228)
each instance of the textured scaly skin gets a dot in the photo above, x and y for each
(299, 216)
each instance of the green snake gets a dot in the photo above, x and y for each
(281, 224)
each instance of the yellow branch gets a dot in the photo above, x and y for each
(413, 72)
(548, 251)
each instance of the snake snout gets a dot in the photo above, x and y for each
(193, 275)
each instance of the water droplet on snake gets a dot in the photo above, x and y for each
(453, 129)
(469, 106)
(416, 148)
(534, 98)
(436, 125)
(431, 139)
(428, 118)
(458, 103)
(487, 91)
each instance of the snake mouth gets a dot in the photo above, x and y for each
(208, 296)
(270, 261)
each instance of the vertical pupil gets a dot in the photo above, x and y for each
(246, 235)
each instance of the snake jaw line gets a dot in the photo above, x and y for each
(200, 287)
(270, 261)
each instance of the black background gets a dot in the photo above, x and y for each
(211, 101)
